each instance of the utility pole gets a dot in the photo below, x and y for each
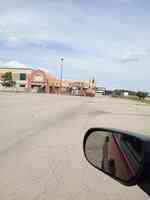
(61, 73)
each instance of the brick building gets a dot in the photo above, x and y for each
(32, 80)
(28, 79)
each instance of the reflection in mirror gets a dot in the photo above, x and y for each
(116, 154)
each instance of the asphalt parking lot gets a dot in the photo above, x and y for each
(41, 138)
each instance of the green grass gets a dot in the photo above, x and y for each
(135, 98)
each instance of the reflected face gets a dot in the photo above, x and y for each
(116, 154)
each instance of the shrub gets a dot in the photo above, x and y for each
(7, 80)
(141, 95)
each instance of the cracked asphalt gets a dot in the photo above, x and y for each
(41, 155)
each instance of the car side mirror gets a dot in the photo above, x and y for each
(119, 154)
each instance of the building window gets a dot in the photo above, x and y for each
(23, 77)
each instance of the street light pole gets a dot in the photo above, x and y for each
(61, 73)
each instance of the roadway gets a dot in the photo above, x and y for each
(41, 138)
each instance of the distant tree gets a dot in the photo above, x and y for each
(132, 93)
(120, 92)
(117, 92)
(141, 95)
(8, 80)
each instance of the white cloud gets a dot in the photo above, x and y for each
(13, 41)
(12, 64)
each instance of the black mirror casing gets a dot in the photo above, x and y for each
(144, 157)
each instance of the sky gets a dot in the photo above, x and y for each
(105, 39)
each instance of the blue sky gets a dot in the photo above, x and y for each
(106, 39)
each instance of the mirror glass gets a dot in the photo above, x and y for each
(117, 154)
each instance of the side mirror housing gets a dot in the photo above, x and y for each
(122, 155)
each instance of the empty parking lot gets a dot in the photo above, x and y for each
(41, 146)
